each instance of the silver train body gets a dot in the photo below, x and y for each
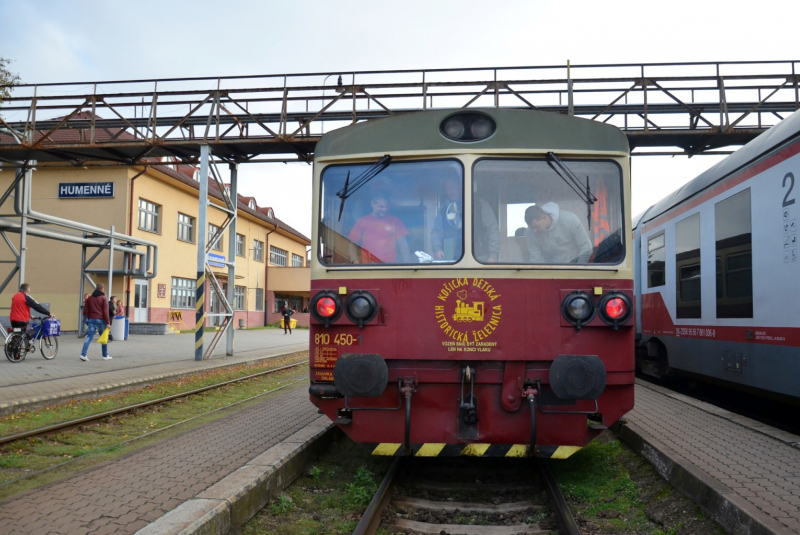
(717, 276)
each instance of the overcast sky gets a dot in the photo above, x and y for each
(88, 40)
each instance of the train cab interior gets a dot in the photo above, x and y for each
(413, 212)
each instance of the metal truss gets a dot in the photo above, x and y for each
(204, 271)
(694, 107)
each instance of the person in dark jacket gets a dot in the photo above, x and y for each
(287, 312)
(112, 309)
(21, 305)
(96, 311)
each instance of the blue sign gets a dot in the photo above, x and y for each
(218, 257)
(85, 190)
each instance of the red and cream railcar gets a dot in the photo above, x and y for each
(442, 324)
(718, 274)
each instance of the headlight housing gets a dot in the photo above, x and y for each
(361, 307)
(615, 309)
(578, 308)
(326, 307)
(468, 127)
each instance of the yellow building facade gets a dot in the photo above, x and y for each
(159, 203)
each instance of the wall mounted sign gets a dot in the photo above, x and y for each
(85, 190)
(162, 290)
(218, 257)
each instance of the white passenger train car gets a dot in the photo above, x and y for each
(717, 271)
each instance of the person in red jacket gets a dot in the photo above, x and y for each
(21, 305)
(96, 311)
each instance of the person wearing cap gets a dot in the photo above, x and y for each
(556, 236)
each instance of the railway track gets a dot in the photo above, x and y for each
(100, 416)
(468, 497)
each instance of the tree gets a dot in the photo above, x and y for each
(7, 79)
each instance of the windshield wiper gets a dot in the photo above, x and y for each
(370, 173)
(561, 169)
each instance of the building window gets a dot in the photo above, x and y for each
(259, 299)
(277, 256)
(183, 293)
(238, 298)
(295, 302)
(687, 267)
(185, 228)
(655, 261)
(251, 204)
(258, 250)
(213, 230)
(148, 215)
(239, 245)
(297, 260)
(270, 214)
(733, 232)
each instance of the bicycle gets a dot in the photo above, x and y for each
(20, 343)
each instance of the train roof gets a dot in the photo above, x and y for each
(516, 129)
(778, 135)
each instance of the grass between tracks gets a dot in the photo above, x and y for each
(610, 489)
(111, 437)
(329, 498)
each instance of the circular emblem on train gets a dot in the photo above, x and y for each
(468, 311)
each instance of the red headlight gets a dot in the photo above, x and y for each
(326, 307)
(616, 308)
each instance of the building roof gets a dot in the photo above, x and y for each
(213, 190)
(184, 173)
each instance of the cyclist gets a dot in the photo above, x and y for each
(21, 305)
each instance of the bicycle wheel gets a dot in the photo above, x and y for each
(15, 349)
(48, 345)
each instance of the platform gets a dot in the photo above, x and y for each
(742, 473)
(136, 362)
(185, 474)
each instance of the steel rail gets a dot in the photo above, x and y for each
(73, 423)
(562, 510)
(371, 519)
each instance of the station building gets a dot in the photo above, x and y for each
(158, 202)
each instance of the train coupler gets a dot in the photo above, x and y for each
(530, 393)
(468, 406)
(408, 388)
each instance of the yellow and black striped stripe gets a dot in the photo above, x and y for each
(472, 450)
(200, 315)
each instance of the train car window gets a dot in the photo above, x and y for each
(655, 261)
(733, 231)
(523, 212)
(409, 213)
(687, 266)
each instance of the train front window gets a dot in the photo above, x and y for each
(409, 213)
(524, 212)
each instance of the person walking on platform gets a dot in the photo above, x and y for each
(287, 312)
(96, 310)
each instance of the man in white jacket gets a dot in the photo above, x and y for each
(555, 237)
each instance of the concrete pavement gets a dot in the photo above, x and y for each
(140, 360)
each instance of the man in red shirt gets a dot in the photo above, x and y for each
(21, 305)
(380, 236)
